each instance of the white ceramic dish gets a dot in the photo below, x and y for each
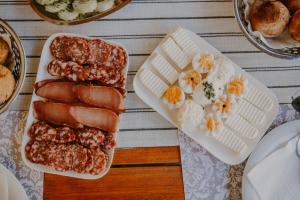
(270, 143)
(42, 74)
(213, 146)
(15, 189)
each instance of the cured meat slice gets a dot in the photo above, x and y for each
(75, 72)
(67, 157)
(55, 113)
(41, 131)
(70, 92)
(97, 161)
(62, 157)
(100, 51)
(71, 49)
(58, 47)
(35, 151)
(76, 116)
(91, 137)
(88, 137)
(101, 118)
(107, 75)
(59, 91)
(100, 96)
(117, 58)
(70, 70)
(109, 142)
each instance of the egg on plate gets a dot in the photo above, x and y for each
(237, 86)
(190, 114)
(223, 106)
(203, 62)
(174, 97)
(189, 80)
(222, 71)
(212, 124)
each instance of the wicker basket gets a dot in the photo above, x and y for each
(18, 69)
(287, 53)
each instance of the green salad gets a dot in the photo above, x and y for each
(75, 9)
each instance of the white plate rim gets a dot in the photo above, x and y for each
(46, 57)
(271, 142)
(140, 91)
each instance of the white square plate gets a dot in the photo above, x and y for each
(212, 145)
(42, 74)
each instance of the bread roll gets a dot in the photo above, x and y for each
(4, 50)
(269, 18)
(293, 5)
(294, 27)
(7, 84)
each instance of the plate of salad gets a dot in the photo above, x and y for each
(71, 12)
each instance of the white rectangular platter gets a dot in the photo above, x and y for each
(42, 74)
(218, 149)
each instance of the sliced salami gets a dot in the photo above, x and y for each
(62, 157)
(117, 59)
(100, 52)
(71, 49)
(75, 72)
(58, 47)
(35, 152)
(91, 137)
(70, 70)
(41, 131)
(97, 161)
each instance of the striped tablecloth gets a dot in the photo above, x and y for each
(139, 27)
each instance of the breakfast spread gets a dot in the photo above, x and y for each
(204, 94)
(272, 18)
(76, 115)
(7, 80)
(76, 9)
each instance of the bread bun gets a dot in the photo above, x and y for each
(269, 18)
(7, 84)
(4, 50)
(294, 27)
(293, 5)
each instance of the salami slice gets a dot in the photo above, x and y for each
(70, 70)
(35, 152)
(62, 157)
(58, 47)
(41, 131)
(97, 161)
(71, 49)
(91, 137)
(117, 59)
(75, 72)
(100, 52)
(106, 75)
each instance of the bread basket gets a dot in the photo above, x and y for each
(18, 69)
(286, 53)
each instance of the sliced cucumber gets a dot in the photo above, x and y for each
(57, 6)
(67, 15)
(105, 5)
(84, 6)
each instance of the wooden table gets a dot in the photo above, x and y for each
(136, 173)
(147, 162)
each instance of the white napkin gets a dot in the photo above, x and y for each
(277, 177)
(3, 185)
